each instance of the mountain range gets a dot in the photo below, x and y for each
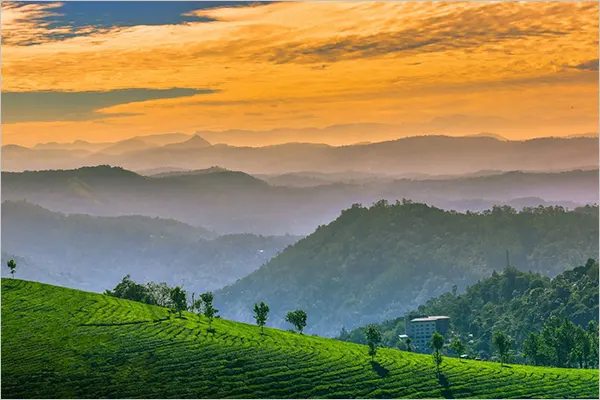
(432, 155)
(227, 201)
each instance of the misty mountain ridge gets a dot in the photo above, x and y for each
(94, 253)
(430, 155)
(227, 201)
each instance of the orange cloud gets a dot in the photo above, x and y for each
(322, 63)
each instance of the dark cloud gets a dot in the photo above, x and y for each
(78, 106)
(591, 65)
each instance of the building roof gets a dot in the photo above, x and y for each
(425, 319)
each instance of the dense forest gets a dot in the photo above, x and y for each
(534, 310)
(378, 262)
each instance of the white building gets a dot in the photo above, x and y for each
(421, 329)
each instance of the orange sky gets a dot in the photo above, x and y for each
(517, 69)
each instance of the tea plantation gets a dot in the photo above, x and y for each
(64, 343)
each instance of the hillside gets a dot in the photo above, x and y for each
(519, 303)
(235, 202)
(513, 301)
(376, 263)
(63, 343)
(95, 253)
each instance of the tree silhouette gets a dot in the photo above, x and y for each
(12, 265)
(260, 315)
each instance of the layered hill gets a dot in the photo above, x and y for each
(418, 154)
(94, 253)
(376, 263)
(236, 202)
(63, 343)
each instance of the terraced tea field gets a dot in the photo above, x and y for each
(64, 343)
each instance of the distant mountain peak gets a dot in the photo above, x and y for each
(195, 142)
(489, 135)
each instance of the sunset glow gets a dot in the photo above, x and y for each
(520, 70)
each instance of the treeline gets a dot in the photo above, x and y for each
(550, 322)
(177, 300)
(563, 344)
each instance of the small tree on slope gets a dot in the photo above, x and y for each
(208, 310)
(260, 315)
(12, 265)
(503, 344)
(437, 342)
(178, 299)
(408, 342)
(297, 318)
(373, 339)
(457, 346)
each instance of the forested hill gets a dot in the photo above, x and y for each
(375, 263)
(512, 301)
(519, 303)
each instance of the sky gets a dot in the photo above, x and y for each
(250, 73)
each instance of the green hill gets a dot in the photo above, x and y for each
(65, 343)
(376, 263)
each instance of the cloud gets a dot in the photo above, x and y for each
(591, 65)
(79, 106)
(385, 62)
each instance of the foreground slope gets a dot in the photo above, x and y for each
(65, 343)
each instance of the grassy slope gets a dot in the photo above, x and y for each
(62, 343)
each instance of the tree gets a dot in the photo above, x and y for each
(408, 341)
(457, 346)
(373, 339)
(437, 342)
(566, 339)
(159, 294)
(503, 344)
(208, 310)
(581, 350)
(260, 315)
(532, 348)
(297, 318)
(592, 331)
(12, 265)
(344, 335)
(178, 299)
(128, 289)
